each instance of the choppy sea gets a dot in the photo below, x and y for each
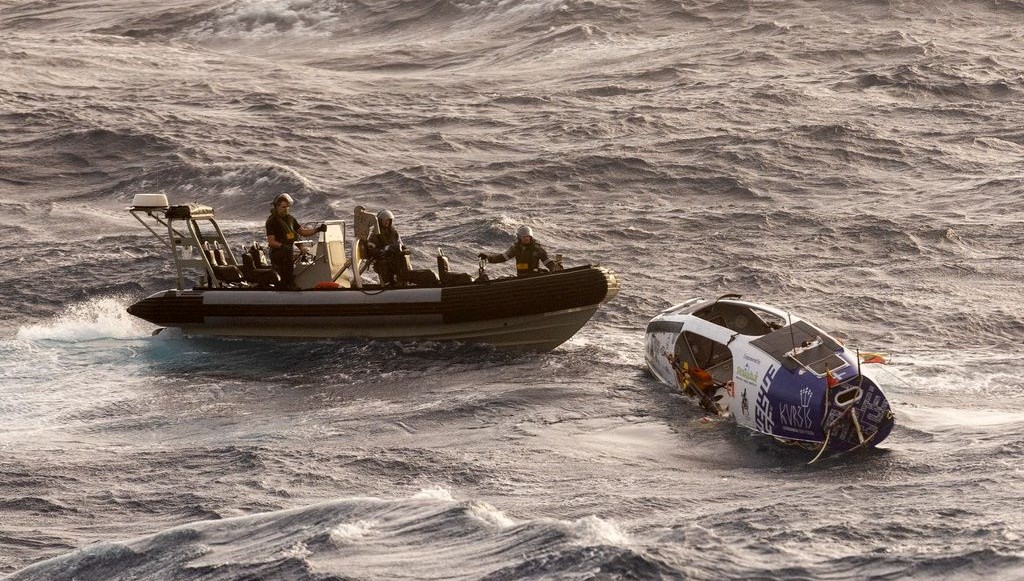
(859, 162)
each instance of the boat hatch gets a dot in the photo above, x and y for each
(801, 345)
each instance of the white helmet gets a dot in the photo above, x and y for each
(385, 215)
(283, 197)
(523, 232)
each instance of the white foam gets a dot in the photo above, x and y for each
(347, 533)
(271, 18)
(953, 374)
(957, 419)
(434, 493)
(490, 515)
(299, 551)
(592, 530)
(99, 318)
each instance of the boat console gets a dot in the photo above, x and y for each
(198, 248)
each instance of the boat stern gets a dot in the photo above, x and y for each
(858, 415)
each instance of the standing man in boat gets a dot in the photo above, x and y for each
(282, 229)
(529, 254)
(387, 250)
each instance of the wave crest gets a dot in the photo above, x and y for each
(365, 538)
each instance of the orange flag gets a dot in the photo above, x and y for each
(830, 380)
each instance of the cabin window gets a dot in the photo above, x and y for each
(738, 318)
(703, 353)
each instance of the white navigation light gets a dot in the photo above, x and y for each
(143, 201)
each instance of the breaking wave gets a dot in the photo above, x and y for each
(365, 538)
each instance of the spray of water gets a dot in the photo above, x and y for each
(98, 318)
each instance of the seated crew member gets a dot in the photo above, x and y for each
(282, 230)
(386, 248)
(529, 254)
(695, 381)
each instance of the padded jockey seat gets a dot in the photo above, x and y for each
(222, 271)
(421, 277)
(456, 278)
(444, 274)
(227, 273)
(261, 277)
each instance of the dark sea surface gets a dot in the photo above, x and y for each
(858, 162)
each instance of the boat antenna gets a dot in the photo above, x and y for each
(792, 335)
(859, 374)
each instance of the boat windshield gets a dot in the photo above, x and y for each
(741, 319)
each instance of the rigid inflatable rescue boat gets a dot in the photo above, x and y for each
(230, 298)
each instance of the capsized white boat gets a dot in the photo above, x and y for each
(232, 298)
(771, 371)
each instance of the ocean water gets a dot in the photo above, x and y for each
(858, 162)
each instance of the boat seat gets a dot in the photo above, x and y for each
(422, 277)
(227, 273)
(456, 278)
(261, 277)
(445, 274)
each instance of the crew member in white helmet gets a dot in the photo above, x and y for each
(529, 254)
(386, 249)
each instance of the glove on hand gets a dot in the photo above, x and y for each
(322, 228)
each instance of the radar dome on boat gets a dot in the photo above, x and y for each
(150, 201)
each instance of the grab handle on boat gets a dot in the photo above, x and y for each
(848, 397)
